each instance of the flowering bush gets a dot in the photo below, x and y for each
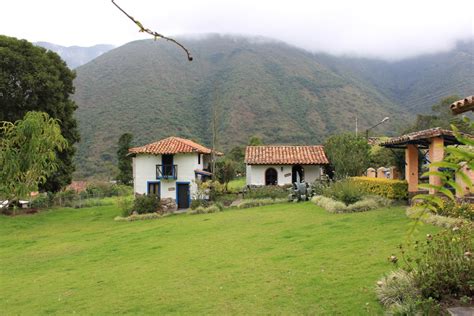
(443, 264)
(391, 189)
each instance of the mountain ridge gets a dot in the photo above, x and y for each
(76, 56)
(268, 88)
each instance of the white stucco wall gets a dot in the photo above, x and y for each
(256, 173)
(144, 170)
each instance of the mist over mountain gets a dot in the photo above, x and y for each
(258, 86)
(76, 56)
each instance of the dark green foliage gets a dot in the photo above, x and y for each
(41, 201)
(105, 189)
(237, 154)
(270, 191)
(125, 175)
(344, 191)
(33, 79)
(195, 203)
(386, 157)
(348, 154)
(225, 171)
(255, 141)
(146, 204)
(443, 264)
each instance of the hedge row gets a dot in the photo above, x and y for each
(391, 189)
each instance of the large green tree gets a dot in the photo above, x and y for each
(348, 154)
(225, 171)
(28, 154)
(125, 175)
(34, 79)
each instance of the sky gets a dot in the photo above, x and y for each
(385, 29)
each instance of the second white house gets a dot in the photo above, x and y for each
(282, 165)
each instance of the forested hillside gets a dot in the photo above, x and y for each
(258, 87)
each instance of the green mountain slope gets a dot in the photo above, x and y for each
(282, 93)
(416, 83)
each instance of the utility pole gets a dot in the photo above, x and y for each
(214, 133)
(357, 127)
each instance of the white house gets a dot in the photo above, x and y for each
(169, 168)
(280, 165)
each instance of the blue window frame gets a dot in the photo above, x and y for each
(153, 187)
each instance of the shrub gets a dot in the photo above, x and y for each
(227, 199)
(417, 212)
(391, 189)
(443, 265)
(319, 187)
(345, 191)
(363, 205)
(264, 192)
(199, 202)
(125, 205)
(41, 201)
(137, 217)
(456, 210)
(366, 204)
(106, 189)
(398, 292)
(90, 202)
(146, 204)
(329, 204)
(205, 210)
(248, 203)
(65, 198)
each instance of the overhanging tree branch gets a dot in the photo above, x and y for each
(156, 35)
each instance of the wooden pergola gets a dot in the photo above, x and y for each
(434, 140)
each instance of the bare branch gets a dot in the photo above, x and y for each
(153, 33)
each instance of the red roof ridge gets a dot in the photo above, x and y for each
(171, 145)
(285, 154)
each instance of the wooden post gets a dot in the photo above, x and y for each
(411, 168)
(436, 154)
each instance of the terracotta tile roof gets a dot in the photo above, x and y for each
(285, 155)
(171, 145)
(77, 186)
(463, 105)
(422, 137)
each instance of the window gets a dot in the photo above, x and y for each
(199, 159)
(153, 188)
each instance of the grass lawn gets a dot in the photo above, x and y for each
(278, 259)
(237, 184)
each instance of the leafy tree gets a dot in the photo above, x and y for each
(225, 171)
(34, 79)
(348, 154)
(255, 141)
(125, 175)
(441, 116)
(237, 154)
(28, 154)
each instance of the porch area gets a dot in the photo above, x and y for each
(431, 144)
